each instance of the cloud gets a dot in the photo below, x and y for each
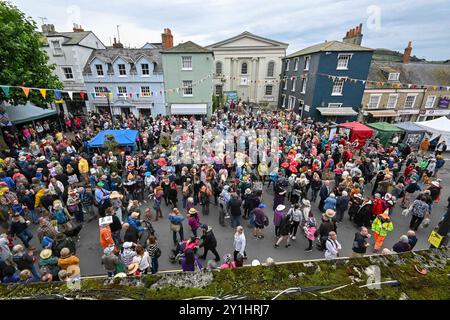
(300, 23)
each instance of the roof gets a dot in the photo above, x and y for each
(26, 113)
(108, 55)
(337, 111)
(384, 126)
(72, 37)
(355, 126)
(410, 127)
(248, 34)
(187, 47)
(413, 73)
(123, 138)
(329, 46)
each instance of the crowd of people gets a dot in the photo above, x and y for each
(51, 185)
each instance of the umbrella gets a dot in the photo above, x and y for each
(293, 169)
(285, 165)
(293, 163)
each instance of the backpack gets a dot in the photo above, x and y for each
(157, 253)
(60, 217)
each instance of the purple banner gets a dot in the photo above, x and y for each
(444, 103)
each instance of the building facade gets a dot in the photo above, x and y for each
(69, 52)
(315, 81)
(406, 91)
(250, 65)
(122, 80)
(188, 79)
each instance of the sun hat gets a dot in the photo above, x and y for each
(132, 268)
(330, 213)
(115, 195)
(192, 211)
(280, 207)
(45, 254)
(127, 245)
(73, 270)
(64, 253)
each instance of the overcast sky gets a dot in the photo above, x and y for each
(301, 23)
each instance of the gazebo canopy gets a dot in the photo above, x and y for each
(123, 138)
(358, 131)
(384, 131)
(26, 113)
(410, 127)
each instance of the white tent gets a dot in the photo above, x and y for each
(438, 127)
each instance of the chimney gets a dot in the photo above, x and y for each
(48, 28)
(117, 44)
(77, 28)
(407, 53)
(354, 35)
(167, 39)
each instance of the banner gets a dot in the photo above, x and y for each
(443, 103)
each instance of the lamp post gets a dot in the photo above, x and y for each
(110, 107)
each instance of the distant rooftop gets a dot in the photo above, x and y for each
(329, 46)
(187, 47)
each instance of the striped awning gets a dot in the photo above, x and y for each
(383, 113)
(337, 111)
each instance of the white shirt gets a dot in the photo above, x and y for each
(333, 248)
(143, 261)
(239, 243)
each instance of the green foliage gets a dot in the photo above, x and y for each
(23, 62)
(110, 143)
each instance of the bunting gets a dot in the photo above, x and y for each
(5, 90)
(26, 91)
(82, 93)
(43, 92)
(58, 95)
(70, 93)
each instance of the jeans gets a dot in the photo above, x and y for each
(314, 194)
(34, 216)
(154, 266)
(205, 209)
(294, 227)
(184, 201)
(25, 236)
(79, 216)
(235, 221)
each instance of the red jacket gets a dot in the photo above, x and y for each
(377, 207)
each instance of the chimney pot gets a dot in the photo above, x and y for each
(167, 39)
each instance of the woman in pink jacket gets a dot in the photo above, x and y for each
(310, 230)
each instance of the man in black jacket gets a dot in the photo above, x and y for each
(131, 233)
(359, 243)
(209, 242)
(324, 193)
(235, 210)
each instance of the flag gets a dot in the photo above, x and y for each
(58, 95)
(93, 95)
(59, 101)
(26, 91)
(5, 90)
(131, 95)
(110, 94)
(82, 93)
(43, 92)
(70, 94)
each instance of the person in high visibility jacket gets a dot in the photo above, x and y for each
(380, 227)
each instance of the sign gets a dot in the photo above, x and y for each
(436, 112)
(306, 108)
(435, 239)
(244, 81)
(105, 221)
(413, 139)
(231, 95)
(443, 103)
(412, 111)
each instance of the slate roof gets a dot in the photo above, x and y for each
(414, 72)
(130, 55)
(329, 46)
(72, 38)
(187, 47)
(249, 34)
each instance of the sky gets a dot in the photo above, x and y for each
(300, 23)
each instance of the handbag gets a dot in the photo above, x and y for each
(175, 227)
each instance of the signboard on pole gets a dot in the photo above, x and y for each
(435, 239)
(231, 95)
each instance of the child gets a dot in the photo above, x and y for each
(310, 230)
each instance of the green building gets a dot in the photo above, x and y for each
(188, 79)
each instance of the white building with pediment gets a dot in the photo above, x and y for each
(250, 65)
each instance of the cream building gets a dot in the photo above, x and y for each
(250, 65)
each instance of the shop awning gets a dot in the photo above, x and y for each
(337, 111)
(189, 108)
(26, 113)
(383, 113)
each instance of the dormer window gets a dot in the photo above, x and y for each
(122, 70)
(145, 69)
(99, 69)
(393, 76)
(57, 50)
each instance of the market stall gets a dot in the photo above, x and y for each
(123, 138)
(439, 128)
(384, 131)
(356, 131)
(412, 135)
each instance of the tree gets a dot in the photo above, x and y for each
(23, 62)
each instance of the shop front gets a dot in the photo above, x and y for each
(407, 115)
(431, 114)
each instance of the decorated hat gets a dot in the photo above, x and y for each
(45, 254)
(132, 268)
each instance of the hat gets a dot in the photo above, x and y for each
(435, 183)
(261, 206)
(127, 245)
(64, 253)
(388, 196)
(100, 184)
(108, 250)
(134, 215)
(115, 195)
(92, 171)
(73, 270)
(280, 207)
(120, 275)
(41, 158)
(306, 202)
(192, 211)
(114, 174)
(132, 268)
(330, 213)
(148, 173)
(204, 226)
(22, 158)
(45, 254)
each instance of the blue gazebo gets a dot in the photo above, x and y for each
(124, 138)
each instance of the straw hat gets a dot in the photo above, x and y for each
(132, 268)
(73, 270)
(192, 211)
(330, 213)
(65, 252)
(115, 195)
(45, 254)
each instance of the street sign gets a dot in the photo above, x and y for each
(435, 239)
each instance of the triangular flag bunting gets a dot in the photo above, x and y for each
(26, 91)
(82, 93)
(70, 93)
(5, 90)
(43, 92)
(93, 95)
(58, 95)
